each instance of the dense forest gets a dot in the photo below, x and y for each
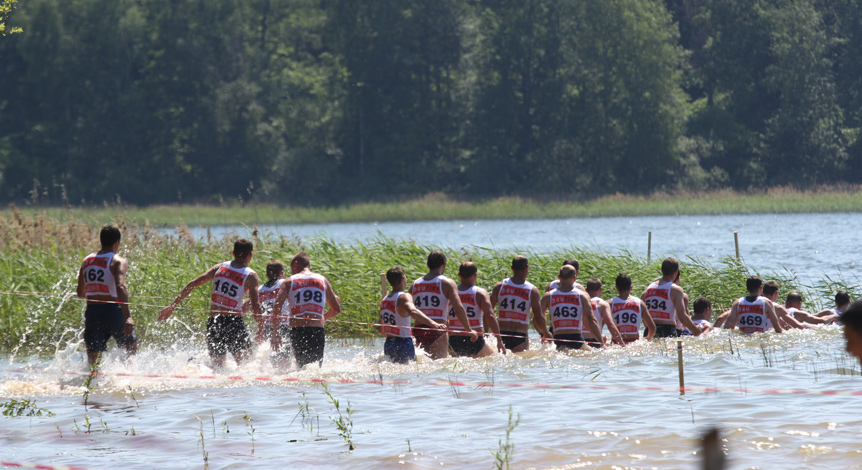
(329, 101)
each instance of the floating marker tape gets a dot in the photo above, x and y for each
(460, 383)
(39, 466)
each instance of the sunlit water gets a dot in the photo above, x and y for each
(809, 245)
(140, 422)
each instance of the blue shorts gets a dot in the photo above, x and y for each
(399, 350)
(101, 322)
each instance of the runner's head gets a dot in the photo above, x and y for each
(242, 249)
(520, 265)
(573, 263)
(623, 283)
(670, 268)
(109, 235)
(594, 287)
(274, 270)
(753, 285)
(770, 290)
(467, 272)
(567, 276)
(702, 308)
(794, 300)
(852, 319)
(841, 299)
(395, 276)
(436, 259)
(299, 263)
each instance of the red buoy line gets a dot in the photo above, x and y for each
(455, 383)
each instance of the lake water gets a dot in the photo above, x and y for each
(144, 422)
(809, 245)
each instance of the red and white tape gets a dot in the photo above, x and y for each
(38, 466)
(459, 383)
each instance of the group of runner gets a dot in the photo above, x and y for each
(448, 318)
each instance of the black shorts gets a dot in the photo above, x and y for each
(101, 322)
(462, 346)
(664, 331)
(227, 333)
(593, 343)
(307, 343)
(513, 339)
(571, 341)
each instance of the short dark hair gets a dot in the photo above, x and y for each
(274, 268)
(394, 275)
(436, 259)
(567, 272)
(302, 260)
(467, 269)
(573, 263)
(841, 298)
(770, 287)
(623, 281)
(109, 235)
(793, 297)
(852, 317)
(519, 263)
(669, 266)
(594, 284)
(701, 305)
(753, 283)
(242, 247)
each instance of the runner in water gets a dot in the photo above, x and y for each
(226, 330)
(666, 302)
(556, 282)
(267, 294)
(477, 304)
(515, 298)
(852, 320)
(570, 311)
(702, 313)
(602, 312)
(833, 315)
(629, 311)
(102, 281)
(308, 295)
(435, 294)
(754, 313)
(785, 318)
(395, 312)
(793, 304)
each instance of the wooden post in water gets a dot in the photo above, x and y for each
(383, 285)
(736, 241)
(649, 248)
(679, 362)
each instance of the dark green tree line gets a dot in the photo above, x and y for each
(325, 101)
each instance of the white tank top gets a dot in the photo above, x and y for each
(659, 303)
(594, 303)
(393, 323)
(266, 296)
(627, 314)
(98, 278)
(229, 286)
(468, 299)
(307, 298)
(513, 301)
(567, 313)
(428, 297)
(752, 316)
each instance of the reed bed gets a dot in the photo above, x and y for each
(442, 207)
(42, 254)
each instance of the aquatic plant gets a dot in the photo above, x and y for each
(24, 408)
(344, 422)
(503, 456)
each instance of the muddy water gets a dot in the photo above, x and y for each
(144, 422)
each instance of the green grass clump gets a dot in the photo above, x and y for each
(43, 255)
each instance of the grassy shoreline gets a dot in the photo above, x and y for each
(441, 207)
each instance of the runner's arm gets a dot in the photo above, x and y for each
(333, 301)
(121, 267)
(719, 320)
(191, 286)
(808, 318)
(681, 306)
(590, 317)
(405, 304)
(732, 316)
(277, 308)
(252, 283)
(539, 322)
(770, 313)
(484, 304)
(607, 319)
